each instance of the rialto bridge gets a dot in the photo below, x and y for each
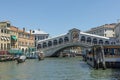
(73, 38)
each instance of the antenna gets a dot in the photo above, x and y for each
(118, 20)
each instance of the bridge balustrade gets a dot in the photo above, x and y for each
(55, 43)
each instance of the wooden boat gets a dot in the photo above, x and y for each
(21, 59)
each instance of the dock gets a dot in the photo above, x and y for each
(103, 56)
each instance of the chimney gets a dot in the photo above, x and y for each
(23, 29)
(38, 29)
(118, 20)
(30, 31)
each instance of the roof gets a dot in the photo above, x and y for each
(52, 37)
(94, 35)
(118, 25)
(38, 32)
(110, 26)
(16, 29)
(13, 28)
(97, 36)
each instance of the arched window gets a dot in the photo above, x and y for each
(23, 50)
(83, 38)
(49, 43)
(100, 41)
(26, 50)
(44, 45)
(106, 42)
(38, 46)
(112, 43)
(55, 42)
(66, 39)
(60, 41)
(88, 39)
(94, 41)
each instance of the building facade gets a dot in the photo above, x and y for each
(4, 35)
(25, 40)
(106, 30)
(39, 35)
(117, 32)
(14, 38)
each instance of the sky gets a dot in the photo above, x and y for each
(59, 16)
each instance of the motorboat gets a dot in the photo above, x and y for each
(21, 59)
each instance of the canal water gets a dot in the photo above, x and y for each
(55, 69)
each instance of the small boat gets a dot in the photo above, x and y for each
(40, 56)
(21, 59)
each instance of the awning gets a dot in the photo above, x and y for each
(13, 37)
(4, 52)
(16, 52)
(31, 49)
(8, 39)
(5, 38)
(2, 38)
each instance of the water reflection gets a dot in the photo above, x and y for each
(55, 69)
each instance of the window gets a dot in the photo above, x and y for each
(60, 40)
(95, 41)
(113, 35)
(55, 42)
(50, 43)
(113, 30)
(35, 37)
(88, 39)
(66, 39)
(83, 38)
(8, 45)
(4, 46)
(2, 31)
(5, 31)
(105, 35)
(1, 46)
(105, 30)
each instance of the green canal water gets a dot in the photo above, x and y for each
(55, 69)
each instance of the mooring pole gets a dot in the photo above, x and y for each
(103, 58)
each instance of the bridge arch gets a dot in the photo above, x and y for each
(100, 41)
(106, 42)
(49, 43)
(55, 42)
(66, 39)
(88, 39)
(60, 49)
(83, 39)
(39, 46)
(60, 40)
(44, 44)
(95, 41)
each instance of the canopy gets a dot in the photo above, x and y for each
(32, 49)
(16, 52)
(13, 37)
(4, 52)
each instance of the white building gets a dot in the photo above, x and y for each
(117, 32)
(106, 30)
(39, 35)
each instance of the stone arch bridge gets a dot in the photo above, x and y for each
(74, 37)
